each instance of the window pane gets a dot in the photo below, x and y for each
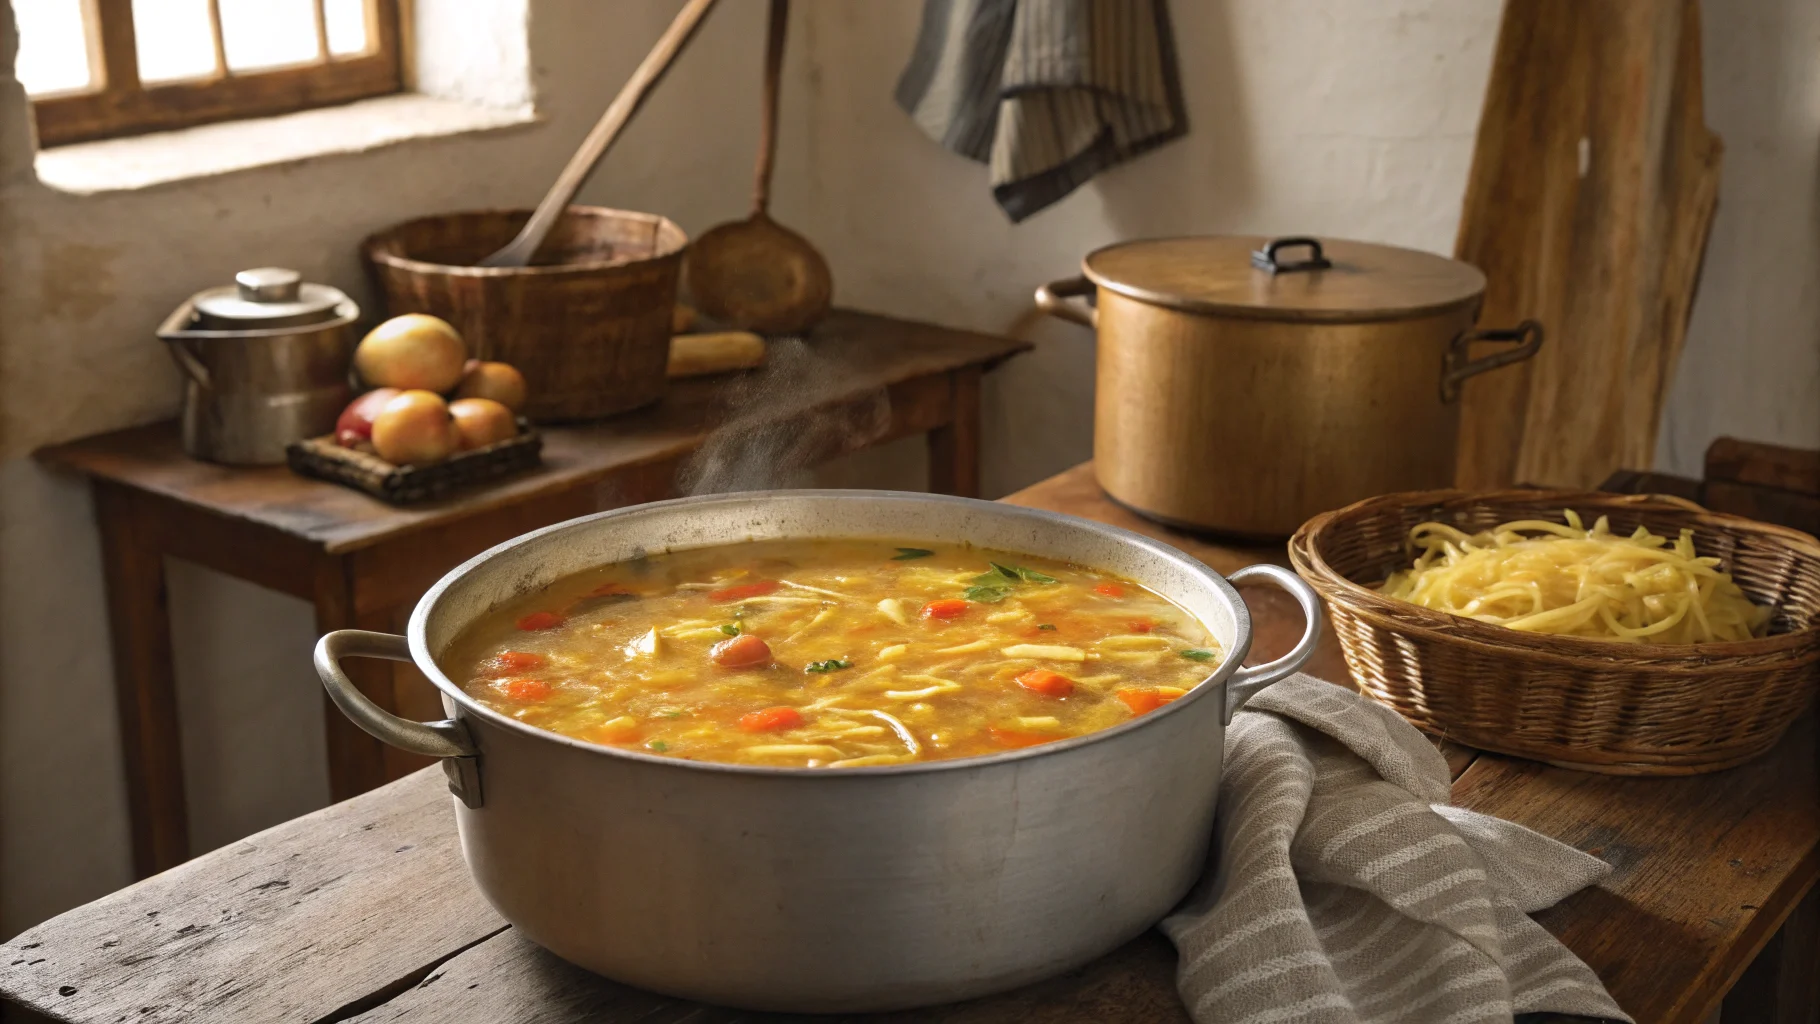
(347, 21)
(53, 49)
(268, 33)
(173, 39)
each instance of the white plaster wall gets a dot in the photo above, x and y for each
(1751, 367)
(1351, 119)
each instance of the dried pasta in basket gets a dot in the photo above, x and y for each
(1544, 577)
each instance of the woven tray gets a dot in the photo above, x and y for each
(321, 457)
(1602, 706)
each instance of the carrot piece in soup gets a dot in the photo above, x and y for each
(1142, 700)
(1109, 588)
(742, 591)
(945, 608)
(527, 689)
(743, 651)
(1017, 738)
(1141, 625)
(539, 620)
(1045, 682)
(506, 663)
(771, 719)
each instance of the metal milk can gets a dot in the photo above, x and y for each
(266, 361)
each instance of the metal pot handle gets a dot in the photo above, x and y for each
(187, 362)
(1267, 257)
(1247, 681)
(447, 739)
(1455, 367)
(1053, 297)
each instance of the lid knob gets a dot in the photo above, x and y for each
(269, 284)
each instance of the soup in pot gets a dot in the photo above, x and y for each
(845, 653)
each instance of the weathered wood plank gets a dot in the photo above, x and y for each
(507, 980)
(1766, 465)
(1706, 867)
(311, 920)
(1782, 986)
(1593, 163)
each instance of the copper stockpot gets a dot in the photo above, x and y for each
(1242, 390)
(828, 889)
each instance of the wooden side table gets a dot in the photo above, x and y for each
(363, 563)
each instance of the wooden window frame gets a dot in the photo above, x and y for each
(122, 105)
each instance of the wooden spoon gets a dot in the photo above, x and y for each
(756, 274)
(518, 252)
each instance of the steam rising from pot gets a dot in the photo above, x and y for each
(769, 434)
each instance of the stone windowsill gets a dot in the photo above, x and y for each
(145, 160)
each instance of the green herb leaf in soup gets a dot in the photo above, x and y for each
(731, 629)
(908, 554)
(987, 593)
(830, 665)
(1047, 626)
(1020, 574)
(1198, 654)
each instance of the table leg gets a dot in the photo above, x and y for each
(356, 760)
(954, 449)
(145, 680)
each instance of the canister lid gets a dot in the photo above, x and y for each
(266, 297)
(1288, 278)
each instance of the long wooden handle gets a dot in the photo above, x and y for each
(767, 130)
(519, 251)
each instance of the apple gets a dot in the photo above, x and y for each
(499, 381)
(411, 352)
(355, 424)
(481, 421)
(415, 429)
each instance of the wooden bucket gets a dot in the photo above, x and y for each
(588, 324)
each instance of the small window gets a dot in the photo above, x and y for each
(101, 68)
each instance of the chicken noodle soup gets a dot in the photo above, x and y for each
(832, 653)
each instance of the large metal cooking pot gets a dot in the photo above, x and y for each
(827, 889)
(1247, 384)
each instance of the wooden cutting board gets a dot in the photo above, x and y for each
(1593, 185)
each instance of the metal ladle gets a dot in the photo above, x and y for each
(519, 251)
(756, 274)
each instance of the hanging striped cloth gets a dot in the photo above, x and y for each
(1048, 93)
(1344, 890)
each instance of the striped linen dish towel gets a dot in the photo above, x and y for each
(1048, 93)
(1346, 890)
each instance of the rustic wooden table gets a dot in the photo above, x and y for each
(363, 911)
(363, 563)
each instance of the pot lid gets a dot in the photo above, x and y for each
(267, 297)
(1290, 278)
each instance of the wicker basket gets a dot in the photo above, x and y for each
(588, 325)
(1602, 706)
(322, 458)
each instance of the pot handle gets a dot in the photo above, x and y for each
(1455, 367)
(1053, 297)
(1247, 681)
(447, 739)
(1267, 257)
(187, 362)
